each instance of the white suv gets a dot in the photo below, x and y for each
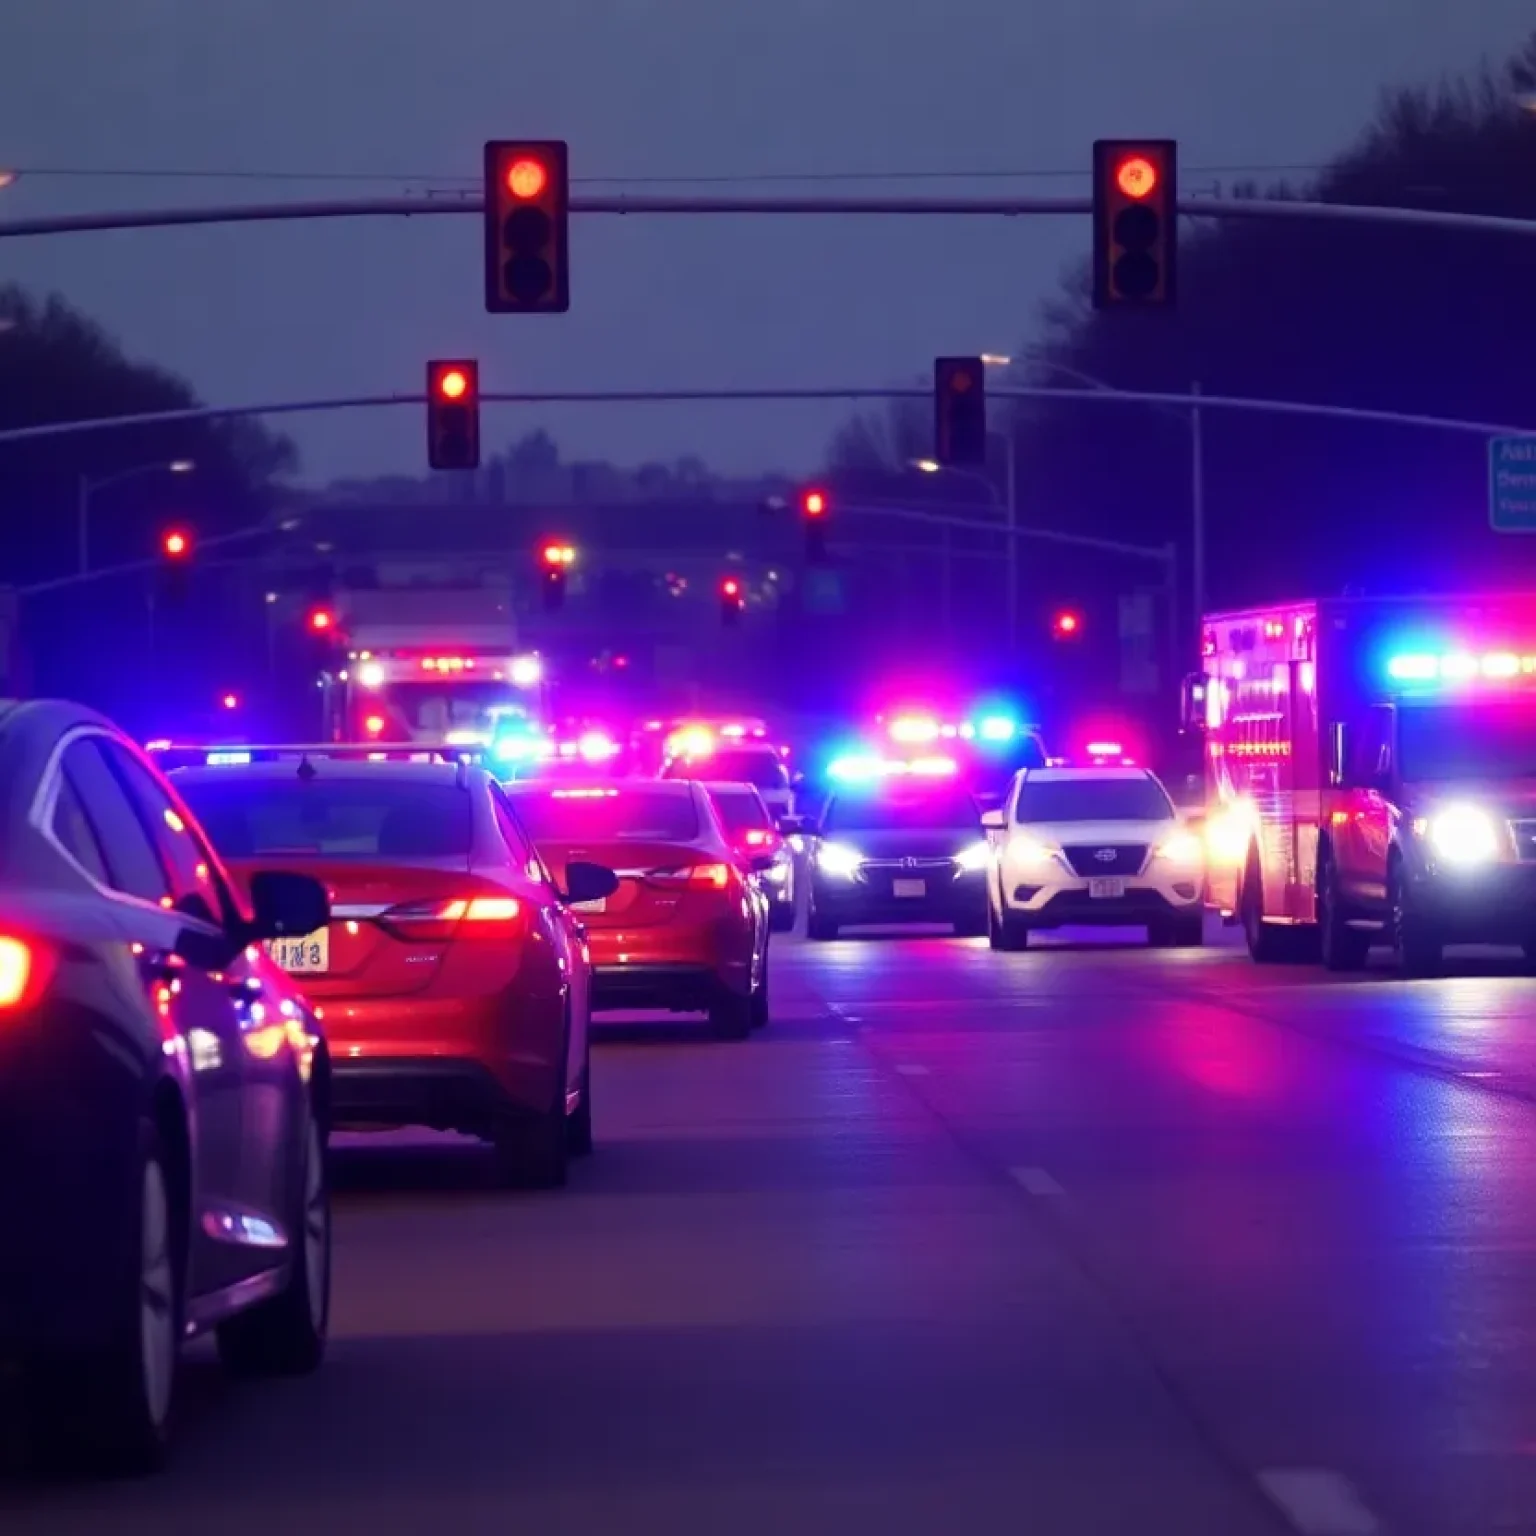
(1097, 846)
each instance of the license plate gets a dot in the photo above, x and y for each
(909, 888)
(600, 905)
(1100, 888)
(306, 956)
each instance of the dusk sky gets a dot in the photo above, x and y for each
(387, 96)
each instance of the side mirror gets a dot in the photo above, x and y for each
(287, 905)
(994, 821)
(589, 882)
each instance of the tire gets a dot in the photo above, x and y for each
(1343, 948)
(286, 1336)
(820, 929)
(110, 1412)
(1420, 951)
(1266, 943)
(760, 1003)
(731, 1015)
(578, 1127)
(781, 917)
(1005, 934)
(973, 928)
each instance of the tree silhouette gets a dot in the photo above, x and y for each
(1365, 315)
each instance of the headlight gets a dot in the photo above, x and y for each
(1181, 848)
(1463, 834)
(977, 856)
(1029, 853)
(839, 860)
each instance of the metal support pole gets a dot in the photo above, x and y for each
(1010, 469)
(1197, 510)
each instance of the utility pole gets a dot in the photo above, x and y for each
(1197, 508)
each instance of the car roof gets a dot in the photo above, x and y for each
(729, 787)
(1083, 775)
(329, 769)
(657, 786)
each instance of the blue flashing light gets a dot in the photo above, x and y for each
(1459, 666)
(997, 728)
(855, 769)
(226, 759)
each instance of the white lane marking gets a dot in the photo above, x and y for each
(1036, 1181)
(911, 1069)
(1318, 1502)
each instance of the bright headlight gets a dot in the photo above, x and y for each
(1181, 848)
(1463, 834)
(839, 860)
(1030, 853)
(977, 856)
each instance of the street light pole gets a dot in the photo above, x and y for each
(1011, 505)
(1197, 508)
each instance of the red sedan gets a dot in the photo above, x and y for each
(455, 982)
(687, 928)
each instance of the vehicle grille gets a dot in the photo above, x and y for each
(879, 873)
(1124, 859)
(1525, 840)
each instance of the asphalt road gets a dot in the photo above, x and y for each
(1089, 1239)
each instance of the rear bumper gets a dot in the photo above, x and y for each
(961, 899)
(442, 1094)
(681, 967)
(672, 988)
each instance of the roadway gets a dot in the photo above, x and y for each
(1089, 1239)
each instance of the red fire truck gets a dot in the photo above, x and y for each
(426, 664)
(1370, 771)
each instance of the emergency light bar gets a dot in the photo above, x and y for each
(242, 755)
(1459, 666)
(860, 769)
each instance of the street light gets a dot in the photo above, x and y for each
(87, 488)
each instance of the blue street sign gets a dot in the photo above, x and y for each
(1512, 484)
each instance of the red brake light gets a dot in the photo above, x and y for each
(24, 971)
(435, 922)
(708, 877)
(758, 837)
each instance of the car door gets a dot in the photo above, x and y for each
(272, 1091)
(97, 823)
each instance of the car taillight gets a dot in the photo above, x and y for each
(465, 917)
(704, 877)
(25, 967)
(758, 837)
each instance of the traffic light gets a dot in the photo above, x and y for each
(1067, 625)
(556, 561)
(175, 566)
(732, 600)
(960, 411)
(1135, 223)
(453, 415)
(814, 507)
(527, 222)
(326, 642)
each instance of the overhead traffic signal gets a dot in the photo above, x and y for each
(453, 415)
(960, 411)
(814, 508)
(176, 559)
(733, 599)
(555, 562)
(1135, 223)
(1067, 625)
(527, 221)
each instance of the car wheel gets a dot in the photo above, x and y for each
(1344, 948)
(1266, 942)
(532, 1149)
(820, 928)
(973, 927)
(1419, 950)
(760, 1008)
(110, 1411)
(579, 1125)
(731, 1015)
(783, 917)
(286, 1336)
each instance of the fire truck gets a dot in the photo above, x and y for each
(427, 664)
(1370, 768)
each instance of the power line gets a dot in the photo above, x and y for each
(125, 173)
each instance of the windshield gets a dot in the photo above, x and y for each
(339, 819)
(607, 815)
(1092, 800)
(740, 810)
(762, 770)
(902, 813)
(1466, 741)
(433, 709)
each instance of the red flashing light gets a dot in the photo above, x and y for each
(527, 178)
(322, 620)
(730, 587)
(558, 554)
(176, 545)
(231, 701)
(1067, 623)
(374, 725)
(1136, 176)
(815, 504)
(453, 385)
(25, 970)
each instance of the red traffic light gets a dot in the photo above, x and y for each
(556, 555)
(453, 385)
(176, 545)
(730, 587)
(1136, 176)
(814, 504)
(527, 178)
(321, 621)
(231, 701)
(1067, 624)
